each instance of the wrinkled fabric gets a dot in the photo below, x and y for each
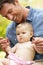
(16, 60)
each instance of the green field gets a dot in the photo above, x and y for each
(3, 24)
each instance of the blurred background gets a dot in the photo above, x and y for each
(5, 22)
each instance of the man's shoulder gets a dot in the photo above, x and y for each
(34, 9)
(12, 24)
(10, 28)
(27, 6)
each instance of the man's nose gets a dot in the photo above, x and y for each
(10, 17)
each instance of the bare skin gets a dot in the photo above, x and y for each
(37, 41)
(24, 50)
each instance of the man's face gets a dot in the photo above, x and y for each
(12, 12)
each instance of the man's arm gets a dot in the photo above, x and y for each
(11, 33)
(5, 44)
(38, 41)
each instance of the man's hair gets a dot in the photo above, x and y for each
(5, 1)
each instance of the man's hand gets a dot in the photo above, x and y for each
(38, 41)
(4, 42)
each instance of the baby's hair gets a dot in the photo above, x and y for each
(26, 24)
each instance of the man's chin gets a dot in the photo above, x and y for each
(17, 22)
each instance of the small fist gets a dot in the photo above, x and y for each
(4, 42)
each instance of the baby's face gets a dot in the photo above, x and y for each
(23, 34)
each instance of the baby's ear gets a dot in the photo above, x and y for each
(31, 34)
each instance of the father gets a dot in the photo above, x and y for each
(12, 10)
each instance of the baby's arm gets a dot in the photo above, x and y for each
(9, 49)
(4, 61)
(5, 45)
(1, 63)
(14, 48)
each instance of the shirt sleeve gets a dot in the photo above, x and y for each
(35, 17)
(31, 14)
(11, 33)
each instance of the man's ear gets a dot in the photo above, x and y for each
(16, 2)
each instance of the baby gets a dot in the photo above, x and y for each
(24, 50)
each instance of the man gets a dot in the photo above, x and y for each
(12, 10)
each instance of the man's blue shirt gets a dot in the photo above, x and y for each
(35, 17)
(11, 33)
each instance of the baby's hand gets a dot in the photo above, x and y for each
(4, 42)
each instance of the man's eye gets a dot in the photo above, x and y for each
(10, 11)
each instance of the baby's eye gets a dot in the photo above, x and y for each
(18, 34)
(23, 32)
